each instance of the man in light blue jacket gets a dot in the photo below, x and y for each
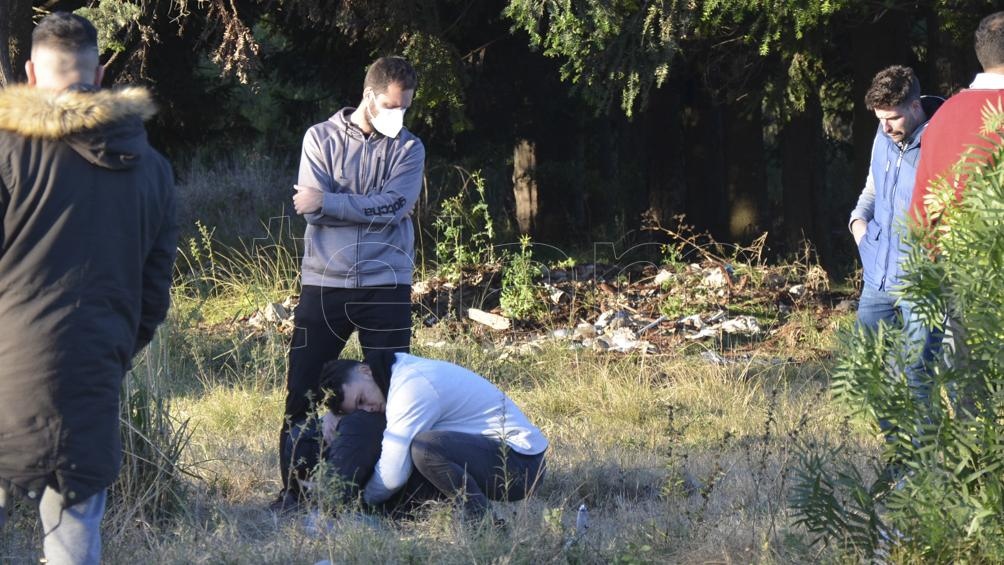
(878, 222)
(360, 176)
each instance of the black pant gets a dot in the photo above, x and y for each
(447, 464)
(479, 467)
(325, 319)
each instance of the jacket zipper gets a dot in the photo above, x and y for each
(892, 213)
(362, 180)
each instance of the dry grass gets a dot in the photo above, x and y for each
(678, 461)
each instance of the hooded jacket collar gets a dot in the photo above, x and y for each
(39, 113)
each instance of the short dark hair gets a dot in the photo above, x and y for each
(390, 70)
(66, 32)
(892, 87)
(990, 41)
(335, 374)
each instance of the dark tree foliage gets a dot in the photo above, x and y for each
(744, 115)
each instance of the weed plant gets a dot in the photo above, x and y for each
(520, 294)
(465, 231)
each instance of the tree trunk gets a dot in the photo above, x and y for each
(951, 61)
(15, 39)
(745, 173)
(665, 148)
(707, 204)
(802, 168)
(525, 185)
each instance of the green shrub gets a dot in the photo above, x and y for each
(520, 298)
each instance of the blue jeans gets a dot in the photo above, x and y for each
(924, 344)
(73, 534)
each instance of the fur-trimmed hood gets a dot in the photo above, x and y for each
(34, 112)
(103, 126)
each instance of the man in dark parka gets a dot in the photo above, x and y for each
(87, 245)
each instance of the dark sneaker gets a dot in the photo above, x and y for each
(285, 503)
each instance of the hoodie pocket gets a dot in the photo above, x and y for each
(389, 249)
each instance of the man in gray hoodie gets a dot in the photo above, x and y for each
(360, 176)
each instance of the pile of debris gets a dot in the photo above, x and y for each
(607, 308)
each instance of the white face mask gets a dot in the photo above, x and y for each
(389, 121)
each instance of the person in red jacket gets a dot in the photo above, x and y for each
(957, 126)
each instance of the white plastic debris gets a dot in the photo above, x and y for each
(584, 331)
(623, 340)
(554, 293)
(745, 325)
(663, 277)
(493, 321)
(604, 319)
(421, 288)
(581, 520)
(693, 321)
(714, 278)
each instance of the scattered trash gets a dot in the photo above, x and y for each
(717, 324)
(623, 340)
(584, 331)
(581, 520)
(715, 278)
(581, 526)
(746, 325)
(554, 293)
(273, 316)
(693, 322)
(493, 321)
(642, 309)
(652, 324)
(663, 277)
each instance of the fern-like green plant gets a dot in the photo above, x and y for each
(946, 505)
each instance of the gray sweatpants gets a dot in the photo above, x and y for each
(72, 535)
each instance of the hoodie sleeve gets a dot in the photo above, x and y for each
(158, 269)
(390, 205)
(315, 173)
(865, 208)
(413, 408)
(4, 200)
